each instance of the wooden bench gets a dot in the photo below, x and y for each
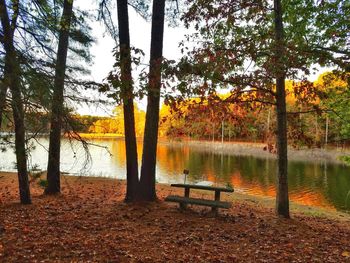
(214, 204)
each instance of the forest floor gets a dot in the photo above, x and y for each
(89, 222)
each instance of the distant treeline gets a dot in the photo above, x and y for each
(40, 123)
(310, 121)
(318, 114)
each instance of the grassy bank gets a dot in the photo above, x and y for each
(90, 222)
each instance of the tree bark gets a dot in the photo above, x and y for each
(11, 29)
(149, 155)
(132, 178)
(282, 199)
(326, 135)
(53, 168)
(3, 92)
(12, 81)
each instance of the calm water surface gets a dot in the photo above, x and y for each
(317, 184)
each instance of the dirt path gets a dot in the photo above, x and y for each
(90, 223)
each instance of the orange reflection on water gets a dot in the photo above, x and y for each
(175, 160)
(211, 176)
(171, 160)
(119, 152)
(310, 199)
(301, 196)
(251, 187)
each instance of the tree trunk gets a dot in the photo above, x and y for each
(128, 103)
(149, 155)
(53, 168)
(3, 92)
(267, 135)
(13, 82)
(4, 83)
(222, 132)
(326, 135)
(282, 199)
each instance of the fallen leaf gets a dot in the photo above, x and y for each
(346, 254)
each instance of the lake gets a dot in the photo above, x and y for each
(310, 183)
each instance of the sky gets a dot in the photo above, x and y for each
(140, 37)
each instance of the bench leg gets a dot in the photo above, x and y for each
(215, 210)
(183, 206)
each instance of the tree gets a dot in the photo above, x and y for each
(71, 28)
(31, 42)
(12, 80)
(334, 89)
(128, 103)
(243, 48)
(148, 167)
(282, 199)
(139, 114)
(122, 82)
(3, 93)
(53, 167)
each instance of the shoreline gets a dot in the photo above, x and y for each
(265, 202)
(331, 154)
(255, 149)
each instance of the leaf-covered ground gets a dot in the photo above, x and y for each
(90, 223)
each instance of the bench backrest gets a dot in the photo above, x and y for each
(203, 187)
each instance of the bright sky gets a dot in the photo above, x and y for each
(140, 36)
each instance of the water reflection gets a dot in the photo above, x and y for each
(317, 184)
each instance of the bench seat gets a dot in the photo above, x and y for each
(203, 187)
(197, 201)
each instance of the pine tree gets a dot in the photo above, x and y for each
(12, 81)
(53, 168)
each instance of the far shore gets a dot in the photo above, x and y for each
(100, 135)
(331, 154)
(322, 155)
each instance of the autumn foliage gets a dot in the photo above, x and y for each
(237, 117)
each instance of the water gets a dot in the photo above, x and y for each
(310, 183)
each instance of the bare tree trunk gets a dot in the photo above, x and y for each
(53, 167)
(282, 199)
(213, 133)
(13, 82)
(128, 103)
(222, 132)
(268, 125)
(149, 155)
(3, 92)
(316, 131)
(326, 135)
